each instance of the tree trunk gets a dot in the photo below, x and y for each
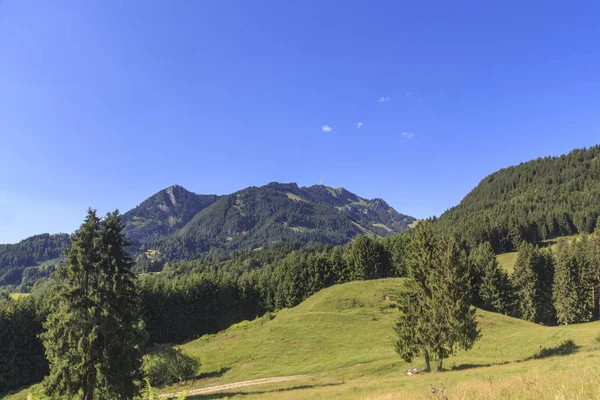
(439, 369)
(427, 363)
(88, 390)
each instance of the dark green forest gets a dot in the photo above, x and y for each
(16, 259)
(535, 200)
(162, 215)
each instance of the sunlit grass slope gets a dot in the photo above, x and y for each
(16, 296)
(343, 337)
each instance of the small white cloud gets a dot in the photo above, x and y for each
(326, 128)
(383, 99)
(408, 135)
(411, 95)
(359, 124)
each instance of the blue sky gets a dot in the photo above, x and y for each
(104, 103)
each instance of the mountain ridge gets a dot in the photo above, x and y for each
(259, 215)
(175, 223)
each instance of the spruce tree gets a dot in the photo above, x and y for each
(565, 293)
(583, 255)
(493, 289)
(532, 280)
(436, 317)
(93, 331)
(415, 328)
(594, 272)
(368, 259)
(573, 282)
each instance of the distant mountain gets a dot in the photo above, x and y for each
(176, 224)
(163, 214)
(535, 200)
(258, 216)
(33, 251)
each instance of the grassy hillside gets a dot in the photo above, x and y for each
(342, 338)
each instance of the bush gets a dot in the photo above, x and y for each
(165, 365)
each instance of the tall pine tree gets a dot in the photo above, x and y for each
(566, 289)
(574, 281)
(93, 333)
(436, 317)
(532, 282)
(493, 285)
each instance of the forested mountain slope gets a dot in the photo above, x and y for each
(258, 216)
(163, 214)
(178, 224)
(15, 258)
(542, 198)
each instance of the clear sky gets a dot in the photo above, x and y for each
(104, 103)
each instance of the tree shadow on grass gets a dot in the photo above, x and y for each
(228, 394)
(563, 349)
(471, 366)
(213, 374)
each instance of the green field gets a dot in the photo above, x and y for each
(507, 261)
(16, 296)
(342, 337)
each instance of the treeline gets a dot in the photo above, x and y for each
(22, 359)
(189, 299)
(539, 199)
(547, 287)
(205, 297)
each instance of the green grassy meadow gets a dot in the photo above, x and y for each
(507, 261)
(342, 337)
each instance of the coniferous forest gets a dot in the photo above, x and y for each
(535, 200)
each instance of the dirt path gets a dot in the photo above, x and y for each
(236, 385)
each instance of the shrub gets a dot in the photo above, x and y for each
(165, 365)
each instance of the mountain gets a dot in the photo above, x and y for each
(178, 224)
(535, 200)
(258, 216)
(163, 214)
(31, 252)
